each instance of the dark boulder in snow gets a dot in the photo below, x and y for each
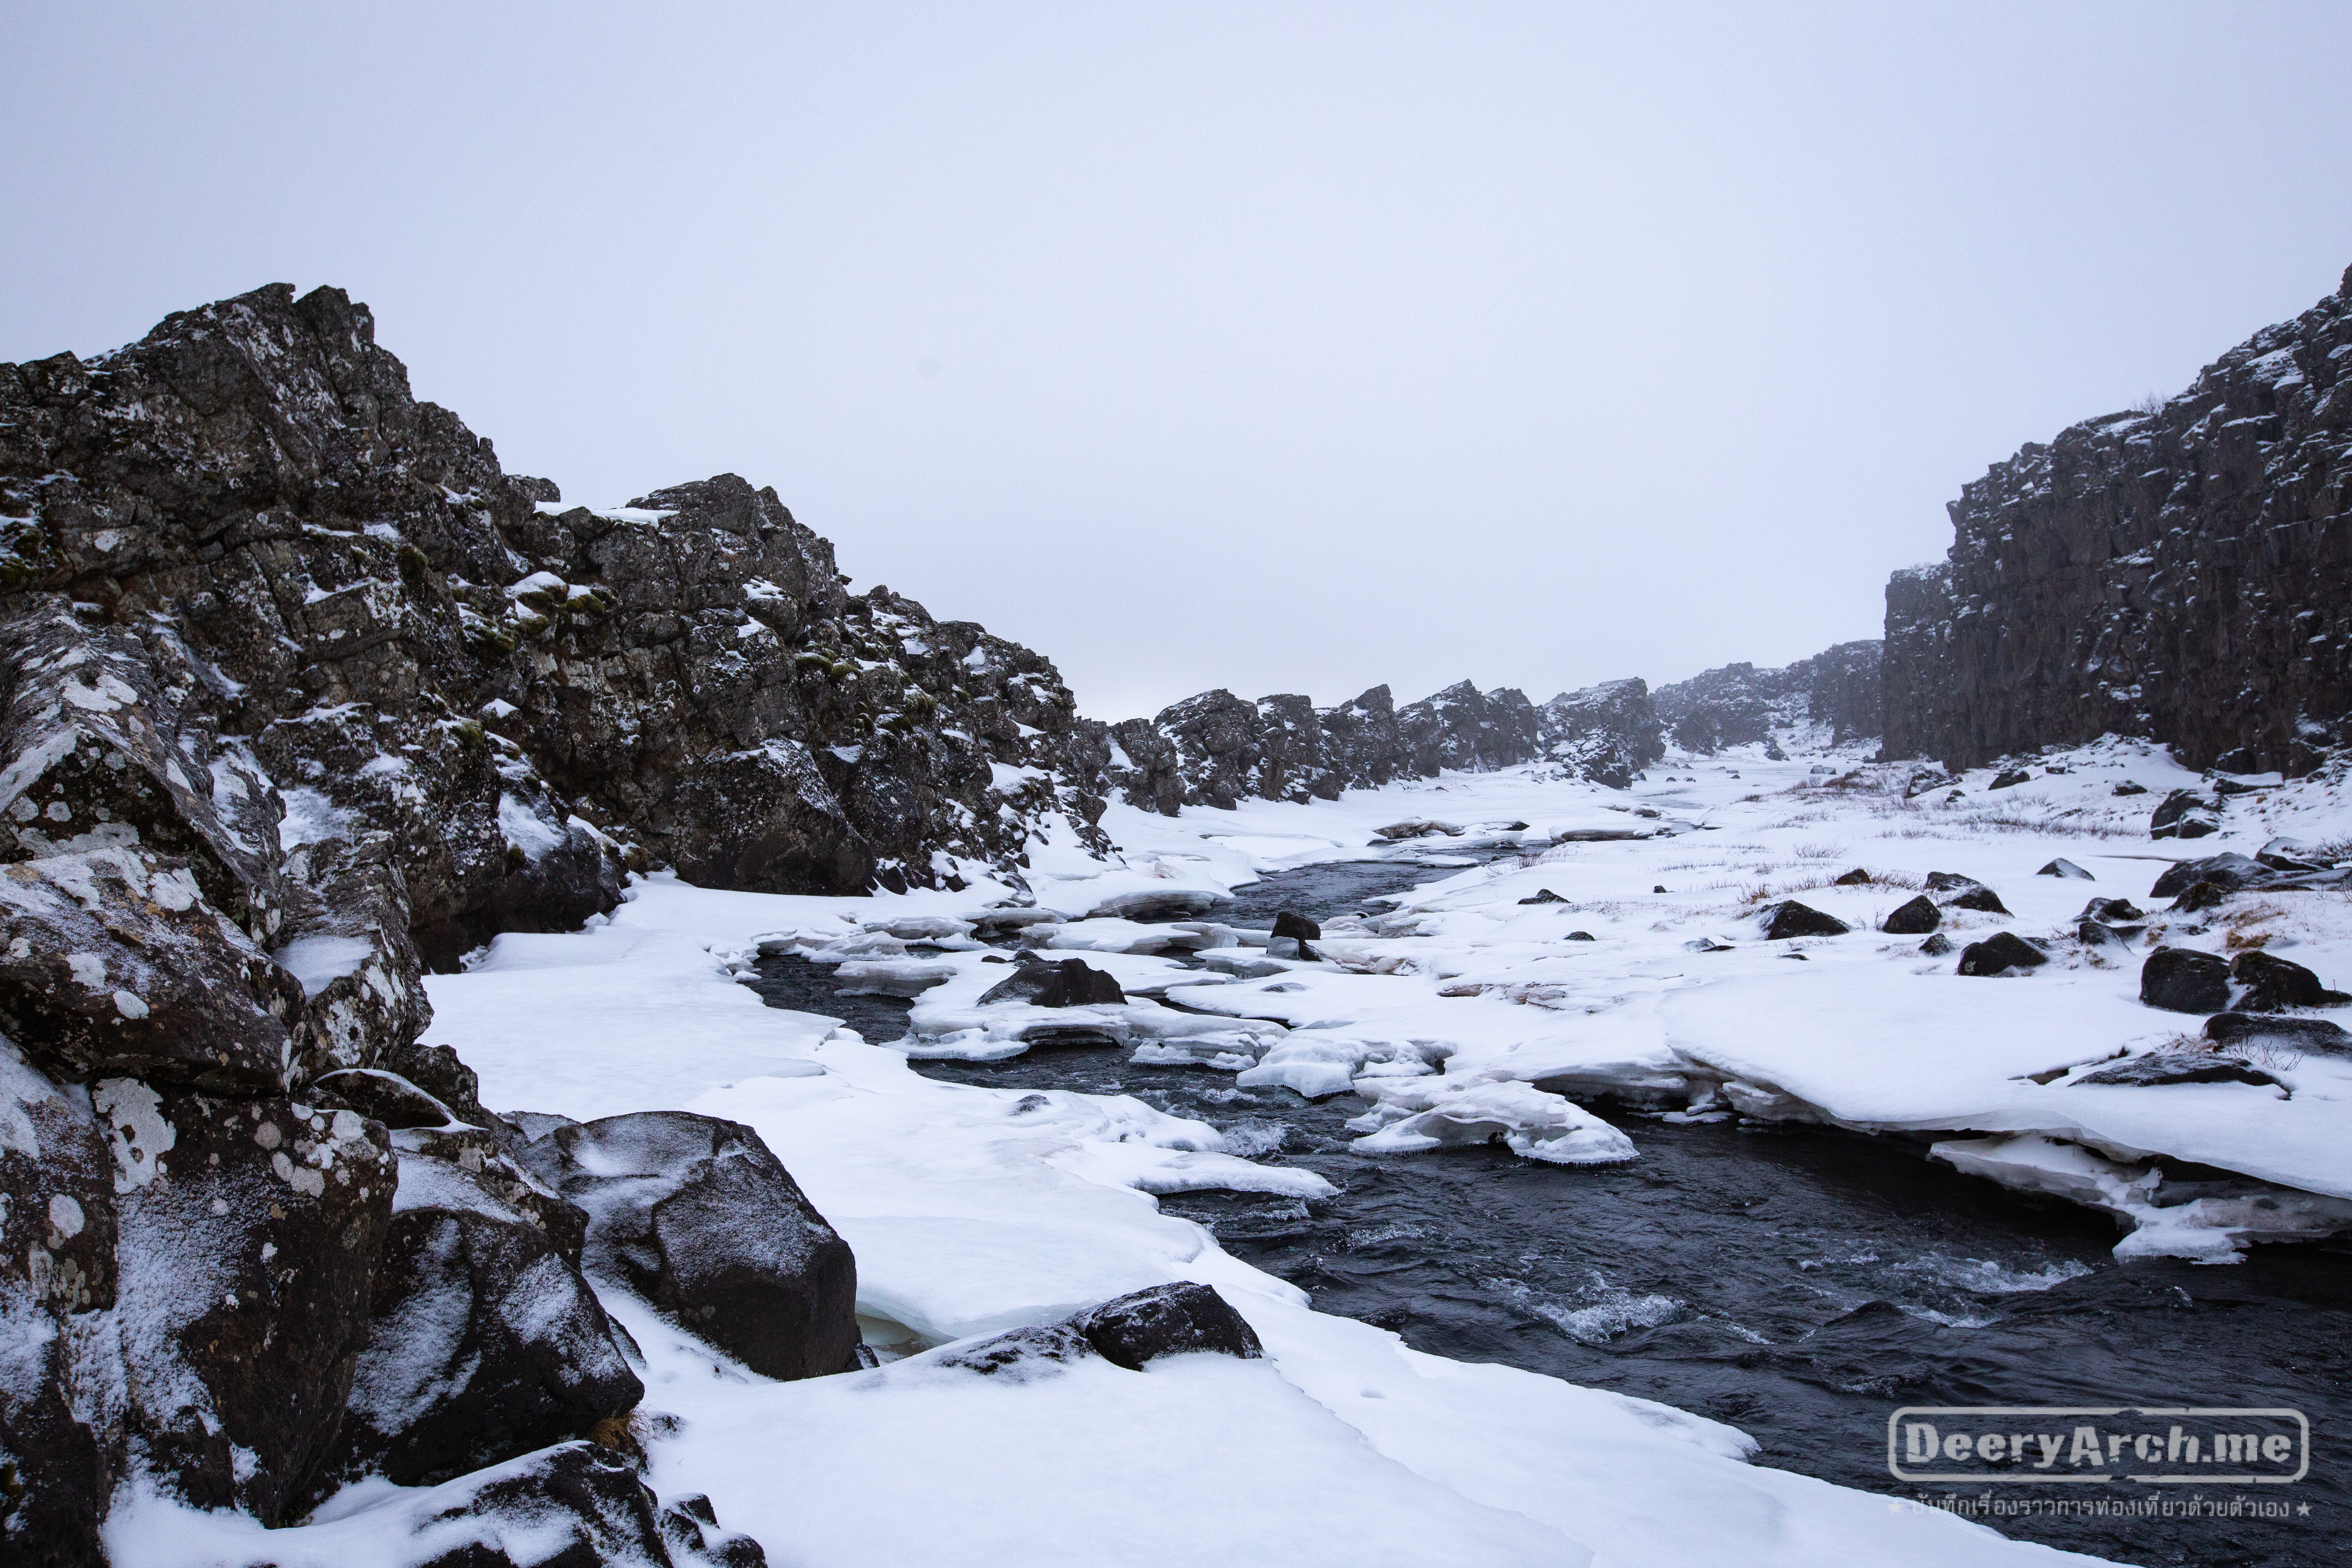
(2184, 815)
(1982, 900)
(484, 1343)
(1790, 919)
(1857, 877)
(381, 1095)
(2112, 912)
(1167, 1319)
(2231, 872)
(2066, 868)
(2159, 1068)
(1072, 982)
(2198, 897)
(2273, 984)
(2130, 786)
(56, 1275)
(2009, 779)
(248, 1233)
(1018, 1355)
(2182, 979)
(1298, 928)
(2290, 854)
(574, 1506)
(1544, 896)
(2298, 1034)
(2098, 933)
(2000, 953)
(696, 1216)
(1950, 882)
(1914, 918)
(1581, 936)
(1936, 946)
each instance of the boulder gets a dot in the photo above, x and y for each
(2231, 872)
(1072, 982)
(1019, 1355)
(1157, 904)
(1417, 827)
(1980, 899)
(1936, 946)
(2290, 854)
(2096, 933)
(2159, 1068)
(2199, 896)
(1544, 896)
(574, 1506)
(2129, 787)
(2273, 984)
(484, 1343)
(691, 1526)
(1857, 877)
(1296, 927)
(248, 1234)
(2066, 868)
(2000, 953)
(2112, 912)
(2009, 778)
(1914, 918)
(1790, 919)
(1950, 882)
(695, 1214)
(2269, 1029)
(1581, 936)
(56, 1282)
(2184, 815)
(1178, 1319)
(381, 1095)
(2182, 979)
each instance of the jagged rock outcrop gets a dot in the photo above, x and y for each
(454, 685)
(299, 692)
(2181, 572)
(1606, 733)
(1215, 749)
(1836, 693)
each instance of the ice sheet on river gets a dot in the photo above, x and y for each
(972, 1210)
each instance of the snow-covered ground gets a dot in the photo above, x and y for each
(1463, 1011)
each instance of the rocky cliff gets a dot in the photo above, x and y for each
(1216, 749)
(303, 693)
(1834, 693)
(1606, 733)
(2181, 572)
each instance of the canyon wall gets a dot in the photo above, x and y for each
(2181, 572)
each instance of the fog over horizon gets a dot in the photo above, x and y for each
(1293, 348)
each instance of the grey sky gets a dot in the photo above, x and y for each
(1282, 347)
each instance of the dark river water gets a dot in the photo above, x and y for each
(1798, 1283)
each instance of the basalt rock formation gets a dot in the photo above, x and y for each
(1836, 694)
(1606, 733)
(1216, 749)
(2181, 572)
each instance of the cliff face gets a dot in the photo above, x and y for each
(1217, 749)
(1605, 734)
(1738, 704)
(475, 684)
(2183, 573)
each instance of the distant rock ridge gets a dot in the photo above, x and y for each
(1837, 691)
(2181, 572)
(1216, 749)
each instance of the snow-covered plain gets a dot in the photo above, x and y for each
(1461, 1012)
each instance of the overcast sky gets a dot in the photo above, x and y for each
(1280, 347)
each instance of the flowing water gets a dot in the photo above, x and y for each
(1799, 1283)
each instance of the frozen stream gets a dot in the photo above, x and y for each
(1798, 1283)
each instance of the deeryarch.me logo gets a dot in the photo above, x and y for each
(2058, 1443)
